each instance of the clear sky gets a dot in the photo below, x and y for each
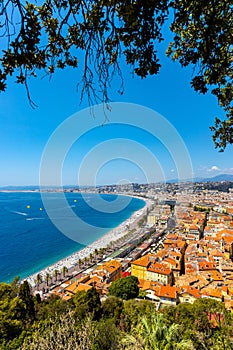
(25, 131)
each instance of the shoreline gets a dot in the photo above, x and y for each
(113, 235)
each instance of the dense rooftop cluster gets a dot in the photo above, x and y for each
(180, 262)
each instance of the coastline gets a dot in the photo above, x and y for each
(113, 235)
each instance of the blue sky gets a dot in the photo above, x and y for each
(25, 132)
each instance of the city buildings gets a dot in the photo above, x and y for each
(188, 260)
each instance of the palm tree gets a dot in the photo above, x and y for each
(91, 257)
(47, 278)
(55, 274)
(39, 279)
(102, 251)
(151, 333)
(80, 262)
(96, 253)
(64, 271)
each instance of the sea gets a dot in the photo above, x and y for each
(30, 239)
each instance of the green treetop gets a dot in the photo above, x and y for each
(94, 36)
(125, 288)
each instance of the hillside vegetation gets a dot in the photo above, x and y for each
(84, 322)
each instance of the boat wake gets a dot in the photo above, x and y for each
(19, 213)
(30, 219)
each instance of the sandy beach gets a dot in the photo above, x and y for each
(113, 235)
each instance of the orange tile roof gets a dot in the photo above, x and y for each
(228, 239)
(72, 287)
(206, 265)
(174, 254)
(226, 232)
(83, 279)
(213, 222)
(216, 275)
(143, 261)
(216, 253)
(193, 227)
(141, 283)
(226, 218)
(225, 289)
(153, 285)
(191, 290)
(82, 286)
(110, 266)
(162, 253)
(168, 241)
(229, 277)
(167, 292)
(172, 236)
(161, 269)
(227, 267)
(93, 280)
(215, 293)
(145, 285)
(201, 254)
(171, 262)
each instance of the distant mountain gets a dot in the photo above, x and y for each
(19, 188)
(33, 188)
(217, 178)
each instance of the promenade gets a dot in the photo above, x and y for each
(90, 255)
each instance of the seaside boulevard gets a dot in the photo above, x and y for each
(71, 261)
(31, 242)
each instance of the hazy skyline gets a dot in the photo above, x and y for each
(25, 131)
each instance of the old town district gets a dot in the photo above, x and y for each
(188, 260)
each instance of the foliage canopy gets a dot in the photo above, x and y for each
(95, 35)
(31, 323)
(125, 288)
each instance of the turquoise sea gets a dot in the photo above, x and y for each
(29, 241)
